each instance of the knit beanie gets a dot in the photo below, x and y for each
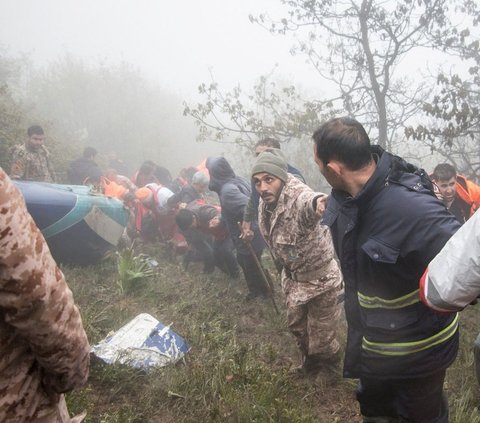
(273, 162)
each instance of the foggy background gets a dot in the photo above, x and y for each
(118, 74)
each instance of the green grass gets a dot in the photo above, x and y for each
(237, 369)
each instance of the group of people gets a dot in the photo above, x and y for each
(385, 241)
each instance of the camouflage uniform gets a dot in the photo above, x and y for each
(43, 347)
(311, 279)
(31, 164)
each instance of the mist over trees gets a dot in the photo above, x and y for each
(113, 108)
(358, 47)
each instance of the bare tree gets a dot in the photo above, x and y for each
(452, 127)
(269, 109)
(355, 44)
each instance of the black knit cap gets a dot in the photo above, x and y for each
(271, 161)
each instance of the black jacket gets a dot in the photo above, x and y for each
(82, 169)
(385, 237)
(186, 195)
(233, 192)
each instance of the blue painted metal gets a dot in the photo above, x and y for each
(59, 212)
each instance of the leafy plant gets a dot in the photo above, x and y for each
(133, 270)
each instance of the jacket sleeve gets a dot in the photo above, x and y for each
(175, 199)
(35, 299)
(249, 214)
(18, 163)
(452, 279)
(420, 226)
(234, 201)
(305, 204)
(474, 191)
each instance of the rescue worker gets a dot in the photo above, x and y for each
(288, 217)
(145, 175)
(460, 196)
(387, 225)
(156, 218)
(84, 169)
(31, 161)
(205, 232)
(190, 192)
(44, 350)
(234, 192)
(251, 210)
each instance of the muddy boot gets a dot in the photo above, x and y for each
(316, 363)
(313, 364)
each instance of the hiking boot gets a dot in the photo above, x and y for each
(316, 363)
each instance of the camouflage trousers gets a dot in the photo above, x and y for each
(58, 413)
(315, 325)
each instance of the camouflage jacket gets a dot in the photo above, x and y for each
(299, 243)
(31, 165)
(43, 347)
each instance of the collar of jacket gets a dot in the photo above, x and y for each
(40, 149)
(342, 200)
(390, 169)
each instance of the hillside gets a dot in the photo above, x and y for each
(237, 369)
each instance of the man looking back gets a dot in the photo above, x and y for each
(387, 225)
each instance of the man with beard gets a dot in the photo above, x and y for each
(288, 217)
(31, 160)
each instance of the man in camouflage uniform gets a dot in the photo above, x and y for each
(31, 161)
(289, 214)
(44, 350)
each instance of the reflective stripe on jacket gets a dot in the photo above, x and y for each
(385, 236)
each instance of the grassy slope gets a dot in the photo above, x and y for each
(237, 369)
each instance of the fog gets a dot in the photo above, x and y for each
(167, 49)
(176, 45)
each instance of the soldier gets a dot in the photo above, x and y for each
(251, 210)
(44, 350)
(289, 214)
(31, 161)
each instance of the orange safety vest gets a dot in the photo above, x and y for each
(468, 192)
(112, 189)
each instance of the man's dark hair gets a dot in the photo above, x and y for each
(343, 139)
(268, 142)
(147, 168)
(163, 175)
(184, 219)
(444, 172)
(89, 153)
(35, 130)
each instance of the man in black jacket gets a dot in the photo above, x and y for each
(234, 192)
(84, 170)
(207, 235)
(387, 225)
